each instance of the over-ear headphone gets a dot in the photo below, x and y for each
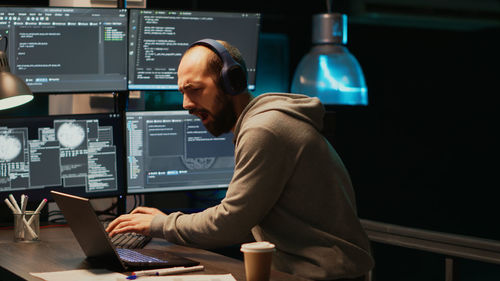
(233, 76)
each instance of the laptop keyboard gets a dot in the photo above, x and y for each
(129, 240)
(129, 255)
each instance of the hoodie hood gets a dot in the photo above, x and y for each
(301, 107)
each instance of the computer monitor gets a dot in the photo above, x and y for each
(172, 151)
(158, 38)
(73, 50)
(79, 154)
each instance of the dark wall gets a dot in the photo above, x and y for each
(424, 152)
(38, 3)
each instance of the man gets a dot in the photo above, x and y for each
(289, 186)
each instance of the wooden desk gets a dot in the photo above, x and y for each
(58, 250)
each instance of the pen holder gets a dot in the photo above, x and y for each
(27, 227)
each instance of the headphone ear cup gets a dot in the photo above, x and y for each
(236, 79)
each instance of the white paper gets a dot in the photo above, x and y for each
(106, 275)
(81, 275)
(200, 277)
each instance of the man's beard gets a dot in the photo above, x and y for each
(225, 118)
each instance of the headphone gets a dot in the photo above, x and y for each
(233, 76)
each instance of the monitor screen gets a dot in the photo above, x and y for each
(172, 151)
(57, 50)
(78, 154)
(158, 38)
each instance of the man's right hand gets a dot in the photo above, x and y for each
(138, 221)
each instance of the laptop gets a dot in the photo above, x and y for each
(96, 243)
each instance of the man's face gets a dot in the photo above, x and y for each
(202, 96)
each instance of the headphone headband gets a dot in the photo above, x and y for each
(233, 75)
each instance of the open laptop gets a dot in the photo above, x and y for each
(97, 245)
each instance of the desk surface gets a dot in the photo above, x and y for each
(58, 250)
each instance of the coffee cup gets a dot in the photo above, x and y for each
(258, 258)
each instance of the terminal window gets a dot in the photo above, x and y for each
(67, 49)
(171, 150)
(158, 38)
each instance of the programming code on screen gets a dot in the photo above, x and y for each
(76, 153)
(171, 150)
(158, 38)
(67, 49)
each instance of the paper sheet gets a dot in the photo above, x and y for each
(106, 275)
(81, 275)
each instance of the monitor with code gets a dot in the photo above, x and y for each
(172, 151)
(158, 38)
(67, 50)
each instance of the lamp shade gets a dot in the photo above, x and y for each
(329, 71)
(13, 91)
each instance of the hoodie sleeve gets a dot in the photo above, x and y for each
(253, 191)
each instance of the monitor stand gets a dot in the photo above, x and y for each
(121, 205)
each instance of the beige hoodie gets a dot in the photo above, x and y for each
(290, 188)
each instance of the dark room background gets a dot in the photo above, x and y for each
(425, 152)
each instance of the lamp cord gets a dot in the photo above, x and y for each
(329, 6)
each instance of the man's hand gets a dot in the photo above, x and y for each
(139, 221)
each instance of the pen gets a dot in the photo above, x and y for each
(10, 206)
(166, 271)
(30, 230)
(40, 207)
(24, 202)
(14, 203)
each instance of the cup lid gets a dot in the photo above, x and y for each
(261, 246)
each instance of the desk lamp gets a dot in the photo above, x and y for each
(329, 71)
(13, 91)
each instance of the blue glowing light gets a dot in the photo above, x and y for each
(334, 78)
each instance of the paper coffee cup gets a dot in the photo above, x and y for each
(258, 257)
